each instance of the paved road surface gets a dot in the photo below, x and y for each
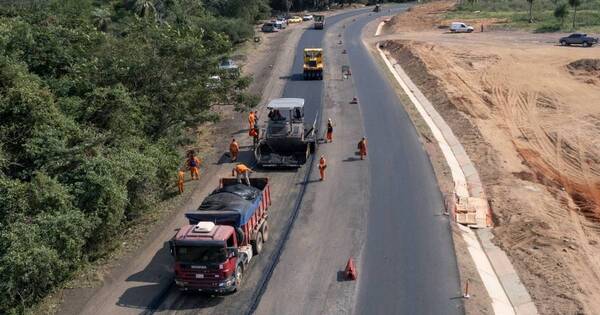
(386, 210)
(409, 265)
(284, 184)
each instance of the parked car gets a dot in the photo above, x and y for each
(269, 27)
(307, 17)
(295, 19)
(230, 68)
(460, 27)
(578, 39)
(279, 24)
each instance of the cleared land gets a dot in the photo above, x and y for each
(527, 112)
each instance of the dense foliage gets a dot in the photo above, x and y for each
(94, 99)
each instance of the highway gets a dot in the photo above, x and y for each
(386, 212)
(409, 265)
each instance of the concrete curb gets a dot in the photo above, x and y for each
(501, 281)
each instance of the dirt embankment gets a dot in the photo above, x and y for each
(527, 113)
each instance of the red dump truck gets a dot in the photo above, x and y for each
(223, 234)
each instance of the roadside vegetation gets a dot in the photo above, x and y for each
(535, 15)
(94, 100)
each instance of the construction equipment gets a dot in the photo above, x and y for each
(319, 22)
(229, 228)
(286, 141)
(313, 63)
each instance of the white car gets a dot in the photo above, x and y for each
(460, 27)
(307, 17)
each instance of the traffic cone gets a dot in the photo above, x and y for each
(351, 273)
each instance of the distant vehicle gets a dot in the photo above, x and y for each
(319, 22)
(307, 17)
(230, 67)
(269, 27)
(460, 27)
(578, 39)
(228, 64)
(295, 19)
(313, 64)
(280, 24)
(376, 8)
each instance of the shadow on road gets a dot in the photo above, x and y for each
(246, 157)
(158, 273)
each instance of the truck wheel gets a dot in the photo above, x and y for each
(239, 274)
(265, 232)
(586, 44)
(257, 244)
(563, 43)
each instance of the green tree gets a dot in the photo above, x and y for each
(101, 19)
(561, 12)
(530, 10)
(574, 4)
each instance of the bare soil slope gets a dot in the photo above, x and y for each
(528, 113)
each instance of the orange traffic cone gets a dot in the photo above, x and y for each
(351, 273)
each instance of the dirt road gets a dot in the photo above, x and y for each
(526, 111)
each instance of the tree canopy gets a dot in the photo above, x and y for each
(94, 98)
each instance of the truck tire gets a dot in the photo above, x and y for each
(586, 44)
(265, 232)
(239, 276)
(257, 244)
(563, 43)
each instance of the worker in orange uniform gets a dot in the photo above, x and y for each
(251, 119)
(194, 165)
(241, 170)
(362, 148)
(180, 180)
(254, 134)
(329, 135)
(322, 167)
(234, 149)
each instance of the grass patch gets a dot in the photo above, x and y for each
(515, 15)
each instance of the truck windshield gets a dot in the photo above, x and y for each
(194, 254)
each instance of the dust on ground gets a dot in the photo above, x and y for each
(527, 112)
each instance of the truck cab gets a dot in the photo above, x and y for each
(207, 258)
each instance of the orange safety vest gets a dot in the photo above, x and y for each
(322, 163)
(241, 168)
(234, 147)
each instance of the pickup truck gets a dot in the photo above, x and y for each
(578, 39)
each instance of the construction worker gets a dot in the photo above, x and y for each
(194, 165)
(254, 134)
(180, 180)
(234, 149)
(322, 167)
(329, 135)
(362, 148)
(241, 170)
(251, 119)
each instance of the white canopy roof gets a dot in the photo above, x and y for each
(286, 103)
